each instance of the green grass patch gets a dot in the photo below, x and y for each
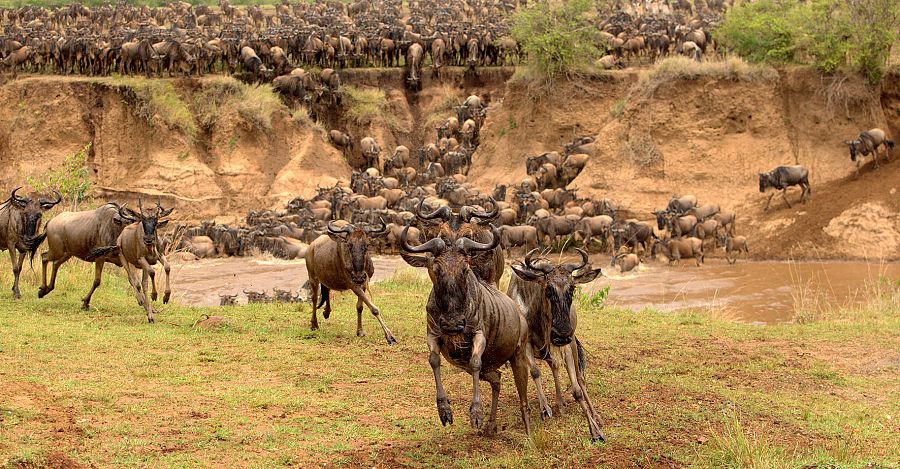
(153, 99)
(105, 388)
(254, 104)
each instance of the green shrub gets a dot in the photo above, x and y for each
(71, 179)
(558, 38)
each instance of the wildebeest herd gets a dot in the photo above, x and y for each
(263, 43)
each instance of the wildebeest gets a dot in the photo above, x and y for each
(783, 177)
(867, 144)
(370, 151)
(733, 246)
(681, 205)
(138, 247)
(90, 236)
(340, 261)
(227, 300)
(20, 226)
(681, 248)
(472, 325)
(545, 293)
(626, 261)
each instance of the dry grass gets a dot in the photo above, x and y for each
(683, 68)
(365, 105)
(154, 99)
(641, 151)
(254, 104)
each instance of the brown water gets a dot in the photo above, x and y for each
(755, 292)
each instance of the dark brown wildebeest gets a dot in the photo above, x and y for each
(472, 325)
(867, 144)
(341, 261)
(90, 236)
(545, 292)
(783, 177)
(20, 226)
(138, 246)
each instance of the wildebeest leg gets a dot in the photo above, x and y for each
(492, 377)
(326, 296)
(98, 274)
(17, 259)
(434, 359)
(147, 268)
(535, 372)
(44, 290)
(554, 360)
(360, 292)
(152, 273)
(314, 296)
(167, 269)
(519, 365)
(476, 416)
(133, 280)
(580, 394)
(359, 309)
(769, 201)
(784, 196)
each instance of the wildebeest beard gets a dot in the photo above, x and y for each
(560, 307)
(451, 295)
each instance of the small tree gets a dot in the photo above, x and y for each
(558, 38)
(71, 178)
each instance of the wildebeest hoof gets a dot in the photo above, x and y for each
(166, 298)
(42, 292)
(445, 412)
(599, 438)
(546, 413)
(326, 313)
(313, 326)
(85, 307)
(391, 340)
(153, 296)
(476, 417)
(361, 333)
(150, 319)
(489, 429)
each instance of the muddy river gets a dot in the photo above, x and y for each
(755, 292)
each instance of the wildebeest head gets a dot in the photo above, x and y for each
(453, 280)
(353, 242)
(149, 223)
(852, 144)
(558, 284)
(30, 213)
(661, 218)
(764, 181)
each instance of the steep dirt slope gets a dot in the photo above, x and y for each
(225, 170)
(710, 138)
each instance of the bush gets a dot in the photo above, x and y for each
(71, 179)
(829, 34)
(558, 38)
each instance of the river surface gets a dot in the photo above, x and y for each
(754, 292)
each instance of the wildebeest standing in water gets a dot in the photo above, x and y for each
(90, 236)
(783, 177)
(340, 261)
(472, 325)
(138, 246)
(545, 292)
(20, 224)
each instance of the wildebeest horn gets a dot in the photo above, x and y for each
(161, 212)
(338, 230)
(20, 201)
(468, 212)
(127, 214)
(584, 261)
(442, 212)
(48, 204)
(469, 245)
(376, 231)
(530, 266)
(431, 246)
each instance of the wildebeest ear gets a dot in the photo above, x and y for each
(526, 274)
(162, 224)
(416, 261)
(587, 276)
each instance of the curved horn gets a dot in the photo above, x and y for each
(17, 199)
(470, 245)
(431, 246)
(584, 261)
(129, 216)
(48, 204)
(338, 230)
(376, 231)
(468, 212)
(443, 212)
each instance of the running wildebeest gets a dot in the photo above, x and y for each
(138, 246)
(867, 144)
(545, 291)
(783, 177)
(20, 226)
(90, 236)
(340, 261)
(472, 325)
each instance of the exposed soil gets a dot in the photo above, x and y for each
(705, 137)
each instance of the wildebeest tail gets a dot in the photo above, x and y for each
(582, 363)
(323, 295)
(97, 253)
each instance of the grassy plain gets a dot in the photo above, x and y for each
(104, 388)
